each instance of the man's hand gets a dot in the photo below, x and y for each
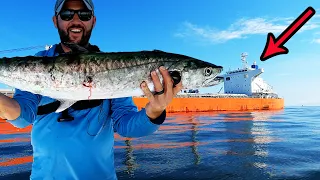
(159, 101)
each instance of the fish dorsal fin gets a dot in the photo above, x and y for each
(75, 48)
(64, 104)
(157, 50)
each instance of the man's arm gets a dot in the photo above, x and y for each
(9, 108)
(129, 122)
(21, 110)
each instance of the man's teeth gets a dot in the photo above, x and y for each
(75, 30)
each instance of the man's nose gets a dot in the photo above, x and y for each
(76, 17)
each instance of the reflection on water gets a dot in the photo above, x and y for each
(222, 145)
(16, 161)
(129, 160)
(243, 135)
(194, 132)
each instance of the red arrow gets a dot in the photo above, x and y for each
(274, 46)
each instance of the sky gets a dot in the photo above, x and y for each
(211, 30)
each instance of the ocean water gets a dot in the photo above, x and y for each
(258, 145)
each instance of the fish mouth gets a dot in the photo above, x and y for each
(211, 82)
(214, 80)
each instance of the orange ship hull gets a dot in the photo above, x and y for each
(199, 104)
(207, 104)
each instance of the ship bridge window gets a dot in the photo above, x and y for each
(228, 78)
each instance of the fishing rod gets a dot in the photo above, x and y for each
(25, 49)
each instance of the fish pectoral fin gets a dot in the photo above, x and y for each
(64, 104)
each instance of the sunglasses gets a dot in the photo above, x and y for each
(67, 15)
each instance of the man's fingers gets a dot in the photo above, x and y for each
(156, 81)
(147, 91)
(177, 89)
(168, 82)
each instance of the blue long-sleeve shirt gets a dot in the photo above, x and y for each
(82, 148)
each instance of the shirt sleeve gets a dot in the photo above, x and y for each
(28, 104)
(129, 122)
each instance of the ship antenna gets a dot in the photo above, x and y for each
(244, 60)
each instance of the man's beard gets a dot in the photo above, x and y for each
(64, 37)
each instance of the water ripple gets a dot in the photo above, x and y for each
(220, 145)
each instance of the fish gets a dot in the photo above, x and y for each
(82, 75)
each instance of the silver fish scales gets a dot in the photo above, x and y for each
(80, 76)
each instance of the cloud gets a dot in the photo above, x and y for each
(316, 40)
(242, 28)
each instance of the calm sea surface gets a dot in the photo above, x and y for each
(260, 145)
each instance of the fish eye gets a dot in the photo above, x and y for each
(207, 71)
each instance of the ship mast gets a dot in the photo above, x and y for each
(244, 60)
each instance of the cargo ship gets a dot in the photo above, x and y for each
(244, 90)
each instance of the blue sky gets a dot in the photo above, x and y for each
(211, 30)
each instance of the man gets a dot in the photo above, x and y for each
(78, 143)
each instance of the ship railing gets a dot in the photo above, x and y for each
(10, 94)
(212, 95)
(223, 96)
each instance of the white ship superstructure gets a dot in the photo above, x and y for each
(246, 81)
(7, 92)
(243, 82)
